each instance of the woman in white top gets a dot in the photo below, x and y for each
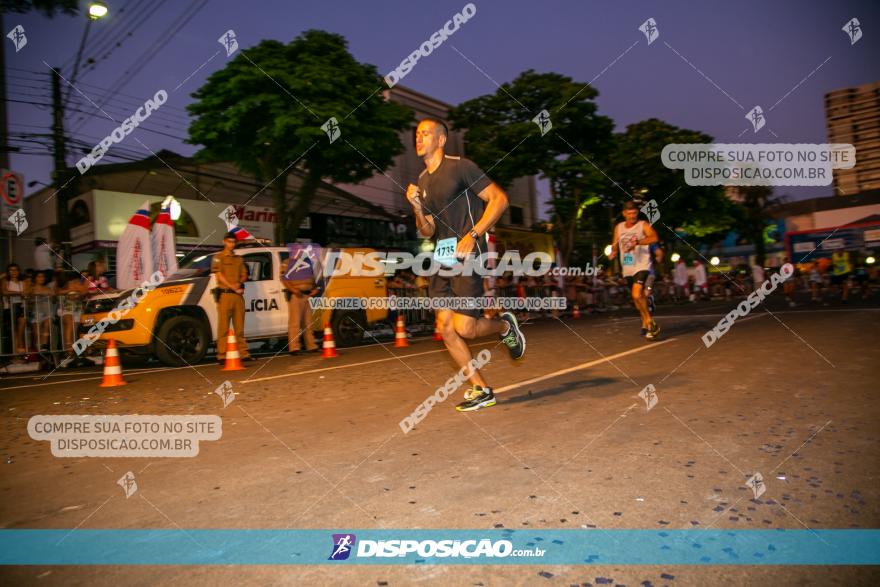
(12, 287)
(70, 296)
(40, 309)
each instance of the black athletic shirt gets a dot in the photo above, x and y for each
(450, 195)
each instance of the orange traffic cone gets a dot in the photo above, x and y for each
(437, 334)
(328, 344)
(400, 333)
(112, 367)
(233, 362)
(576, 312)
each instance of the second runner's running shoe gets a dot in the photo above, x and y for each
(653, 331)
(514, 338)
(479, 398)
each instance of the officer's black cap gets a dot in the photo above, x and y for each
(229, 235)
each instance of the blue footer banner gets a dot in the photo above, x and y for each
(432, 547)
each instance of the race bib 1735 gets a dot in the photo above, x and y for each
(444, 252)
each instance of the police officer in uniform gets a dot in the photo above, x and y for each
(231, 274)
(300, 283)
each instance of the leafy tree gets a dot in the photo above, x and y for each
(702, 212)
(502, 139)
(264, 112)
(574, 188)
(755, 209)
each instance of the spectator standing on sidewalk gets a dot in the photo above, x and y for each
(700, 281)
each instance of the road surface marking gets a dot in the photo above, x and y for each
(586, 365)
(322, 369)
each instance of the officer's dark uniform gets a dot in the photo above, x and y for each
(230, 304)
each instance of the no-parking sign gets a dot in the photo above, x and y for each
(11, 195)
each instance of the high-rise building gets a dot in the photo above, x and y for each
(853, 116)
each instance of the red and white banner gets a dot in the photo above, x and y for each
(164, 249)
(134, 258)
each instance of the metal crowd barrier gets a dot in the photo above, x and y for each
(43, 324)
(411, 316)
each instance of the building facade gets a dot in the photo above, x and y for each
(853, 116)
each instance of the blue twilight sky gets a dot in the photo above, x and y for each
(756, 52)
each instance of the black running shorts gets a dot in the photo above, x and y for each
(459, 286)
(640, 277)
(839, 279)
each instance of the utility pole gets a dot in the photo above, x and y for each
(4, 128)
(61, 175)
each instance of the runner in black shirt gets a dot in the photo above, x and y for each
(456, 205)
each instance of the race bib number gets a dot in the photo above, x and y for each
(628, 259)
(444, 252)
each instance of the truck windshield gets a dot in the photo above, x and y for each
(198, 266)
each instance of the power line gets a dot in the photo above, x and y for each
(95, 114)
(107, 91)
(126, 111)
(110, 47)
(151, 52)
(111, 32)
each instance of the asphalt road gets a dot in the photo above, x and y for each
(315, 443)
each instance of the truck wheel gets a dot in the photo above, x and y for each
(348, 327)
(185, 341)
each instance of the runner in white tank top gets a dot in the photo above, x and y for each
(632, 239)
(634, 258)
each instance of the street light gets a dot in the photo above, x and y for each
(607, 250)
(97, 10)
(714, 261)
(675, 257)
(870, 260)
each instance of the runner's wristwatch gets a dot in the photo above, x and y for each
(475, 235)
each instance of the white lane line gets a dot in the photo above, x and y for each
(100, 375)
(212, 365)
(51, 383)
(586, 365)
(322, 369)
